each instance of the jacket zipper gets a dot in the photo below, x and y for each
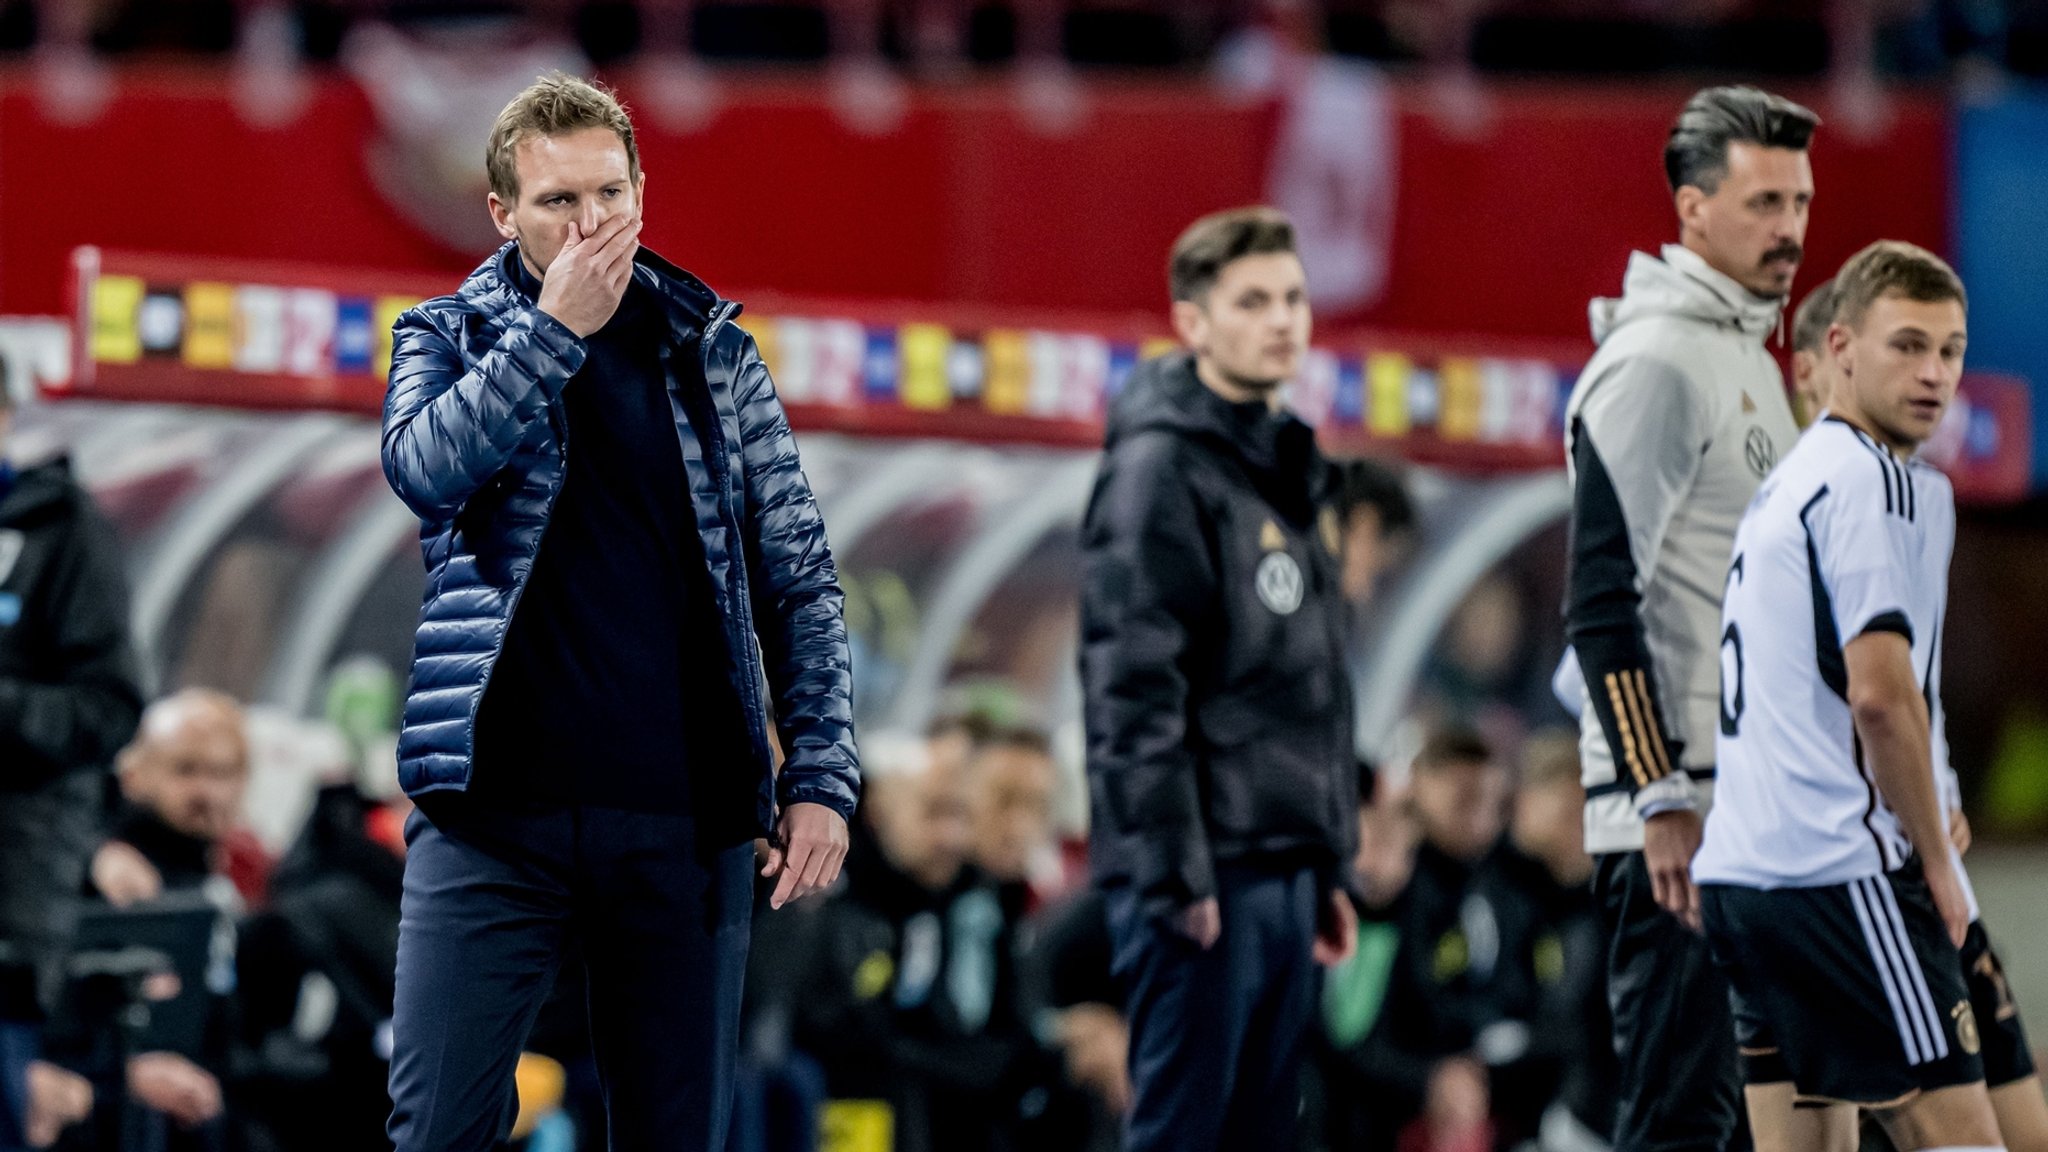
(748, 651)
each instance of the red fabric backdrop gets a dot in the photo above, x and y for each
(1505, 235)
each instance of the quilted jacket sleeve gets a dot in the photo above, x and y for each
(448, 428)
(799, 612)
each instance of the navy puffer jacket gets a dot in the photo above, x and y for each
(474, 443)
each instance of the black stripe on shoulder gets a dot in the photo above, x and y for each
(1891, 501)
(1808, 506)
(1900, 496)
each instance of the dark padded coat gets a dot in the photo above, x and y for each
(1212, 644)
(474, 443)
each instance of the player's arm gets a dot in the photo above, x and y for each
(1148, 585)
(1867, 548)
(1891, 720)
(1635, 449)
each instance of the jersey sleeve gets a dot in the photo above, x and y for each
(1635, 449)
(1866, 537)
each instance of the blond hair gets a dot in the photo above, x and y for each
(1893, 266)
(554, 105)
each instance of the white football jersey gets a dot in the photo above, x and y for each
(1843, 538)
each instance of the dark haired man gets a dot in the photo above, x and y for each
(1220, 763)
(1674, 422)
(1376, 516)
(605, 638)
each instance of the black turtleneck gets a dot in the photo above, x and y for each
(611, 682)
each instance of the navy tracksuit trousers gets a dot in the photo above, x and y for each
(491, 896)
(1218, 1035)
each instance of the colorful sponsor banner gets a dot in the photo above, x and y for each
(147, 333)
(152, 327)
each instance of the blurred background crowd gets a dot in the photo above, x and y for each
(939, 37)
(231, 983)
(954, 992)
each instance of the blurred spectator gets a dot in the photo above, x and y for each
(913, 998)
(952, 741)
(1361, 1079)
(1072, 1000)
(1548, 1045)
(1077, 1010)
(1476, 1001)
(181, 783)
(1403, 1022)
(68, 699)
(1377, 519)
(315, 980)
(1011, 779)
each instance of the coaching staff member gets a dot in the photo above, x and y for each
(1221, 776)
(1670, 428)
(613, 518)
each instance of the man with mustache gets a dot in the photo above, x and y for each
(1669, 430)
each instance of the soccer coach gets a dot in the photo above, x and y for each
(586, 730)
(1223, 787)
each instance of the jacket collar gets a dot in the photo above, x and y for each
(1679, 282)
(691, 304)
(1167, 393)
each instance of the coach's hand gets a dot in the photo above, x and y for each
(1201, 922)
(809, 847)
(1670, 840)
(589, 275)
(1959, 831)
(1947, 890)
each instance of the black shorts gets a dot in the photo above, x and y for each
(2007, 1058)
(1852, 992)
